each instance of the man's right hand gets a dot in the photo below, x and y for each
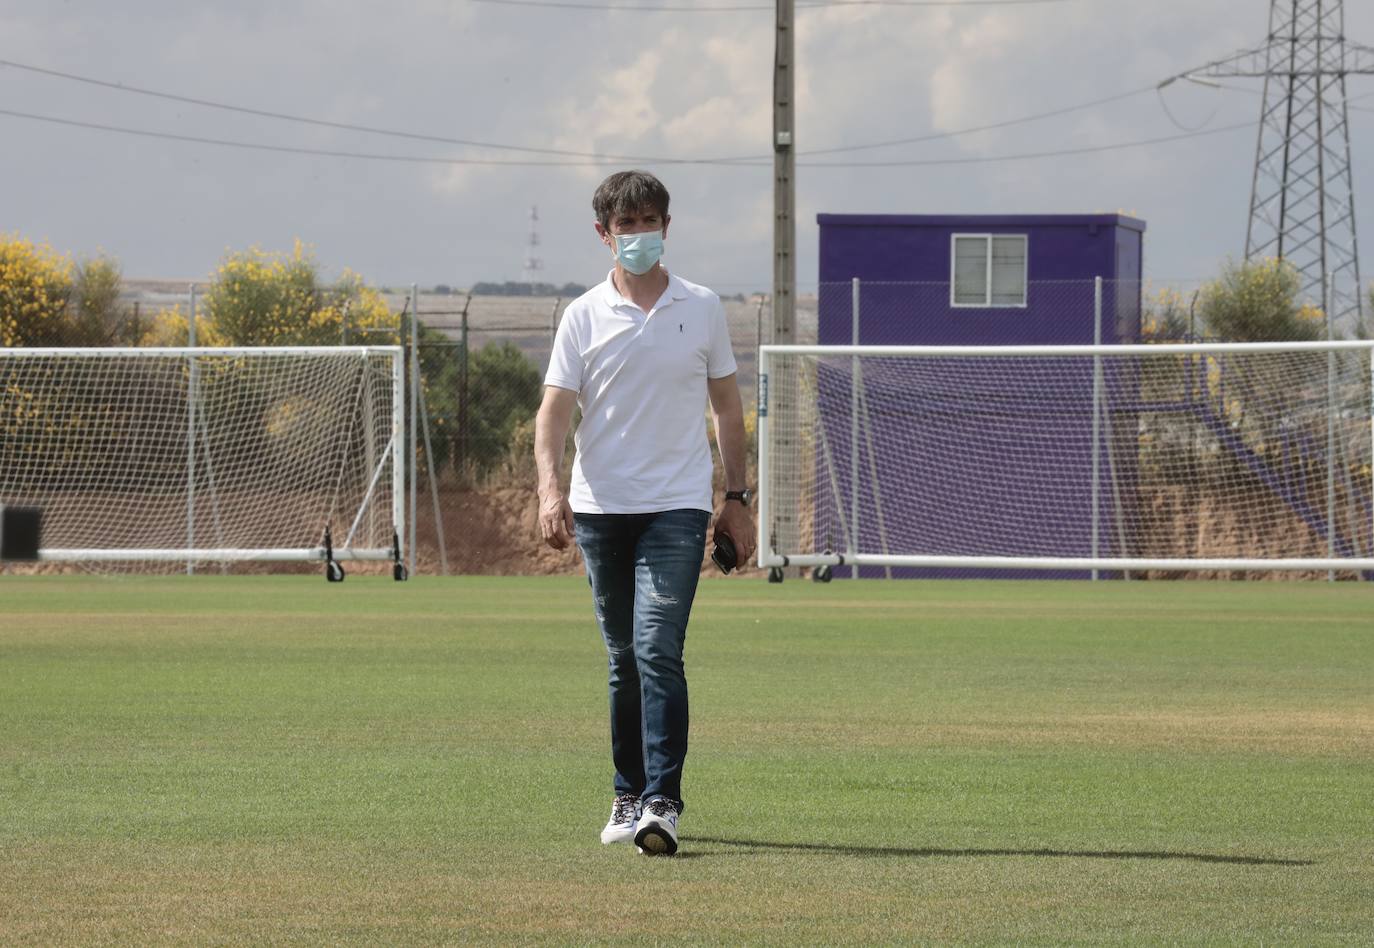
(556, 520)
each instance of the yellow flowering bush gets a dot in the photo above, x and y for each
(168, 327)
(1258, 302)
(261, 298)
(1166, 317)
(47, 300)
(35, 286)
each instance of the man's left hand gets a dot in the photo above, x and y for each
(737, 522)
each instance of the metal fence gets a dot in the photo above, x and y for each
(477, 365)
(481, 365)
(480, 360)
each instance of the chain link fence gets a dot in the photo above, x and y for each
(482, 358)
(482, 361)
(1203, 456)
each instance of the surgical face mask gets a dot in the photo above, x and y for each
(638, 253)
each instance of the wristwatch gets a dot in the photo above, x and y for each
(745, 497)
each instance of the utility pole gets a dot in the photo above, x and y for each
(1302, 197)
(784, 180)
(785, 451)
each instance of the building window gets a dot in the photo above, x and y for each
(988, 270)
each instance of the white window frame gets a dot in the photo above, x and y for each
(987, 278)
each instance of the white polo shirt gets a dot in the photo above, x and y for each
(641, 384)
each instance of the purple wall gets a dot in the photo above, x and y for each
(904, 266)
(891, 252)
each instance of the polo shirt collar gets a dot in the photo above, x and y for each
(613, 298)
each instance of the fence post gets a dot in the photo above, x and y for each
(1329, 292)
(765, 484)
(463, 393)
(1097, 419)
(854, 426)
(414, 411)
(191, 374)
(433, 484)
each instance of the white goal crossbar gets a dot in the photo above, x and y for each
(874, 456)
(236, 445)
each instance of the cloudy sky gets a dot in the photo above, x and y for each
(654, 85)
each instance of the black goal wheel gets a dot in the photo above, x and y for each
(821, 574)
(333, 572)
(399, 572)
(775, 574)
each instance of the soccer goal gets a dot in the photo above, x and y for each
(1078, 459)
(162, 459)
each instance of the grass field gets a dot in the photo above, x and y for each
(278, 759)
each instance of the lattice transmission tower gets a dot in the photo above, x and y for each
(1302, 200)
(534, 264)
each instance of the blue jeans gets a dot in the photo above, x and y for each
(643, 571)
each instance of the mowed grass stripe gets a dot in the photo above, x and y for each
(217, 758)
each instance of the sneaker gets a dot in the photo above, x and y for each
(657, 831)
(620, 828)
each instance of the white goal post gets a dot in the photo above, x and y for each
(165, 458)
(1071, 458)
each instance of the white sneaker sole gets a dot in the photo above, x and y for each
(654, 839)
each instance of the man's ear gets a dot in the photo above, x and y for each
(602, 232)
(667, 219)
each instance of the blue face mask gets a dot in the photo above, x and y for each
(639, 253)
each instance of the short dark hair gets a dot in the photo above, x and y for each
(626, 192)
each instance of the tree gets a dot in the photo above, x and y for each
(276, 299)
(502, 393)
(96, 315)
(504, 388)
(1258, 302)
(1167, 317)
(35, 285)
(46, 300)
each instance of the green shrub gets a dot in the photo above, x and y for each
(1258, 302)
(276, 299)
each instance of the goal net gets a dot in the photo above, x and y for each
(1188, 458)
(185, 456)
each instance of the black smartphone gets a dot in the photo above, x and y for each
(724, 555)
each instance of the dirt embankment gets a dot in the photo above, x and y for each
(1251, 524)
(495, 532)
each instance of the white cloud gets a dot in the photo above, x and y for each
(621, 83)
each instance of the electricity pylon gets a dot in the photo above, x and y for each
(534, 264)
(1302, 199)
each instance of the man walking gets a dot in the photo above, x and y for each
(642, 354)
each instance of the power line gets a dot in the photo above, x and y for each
(736, 8)
(323, 152)
(554, 163)
(343, 126)
(1355, 98)
(934, 136)
(1028, 156)
(597, 156)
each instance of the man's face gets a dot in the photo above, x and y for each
(643, 221)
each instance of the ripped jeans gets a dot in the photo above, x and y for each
(643, 571)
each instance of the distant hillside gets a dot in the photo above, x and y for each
(511, 288)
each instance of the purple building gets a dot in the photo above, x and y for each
(979, 280)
